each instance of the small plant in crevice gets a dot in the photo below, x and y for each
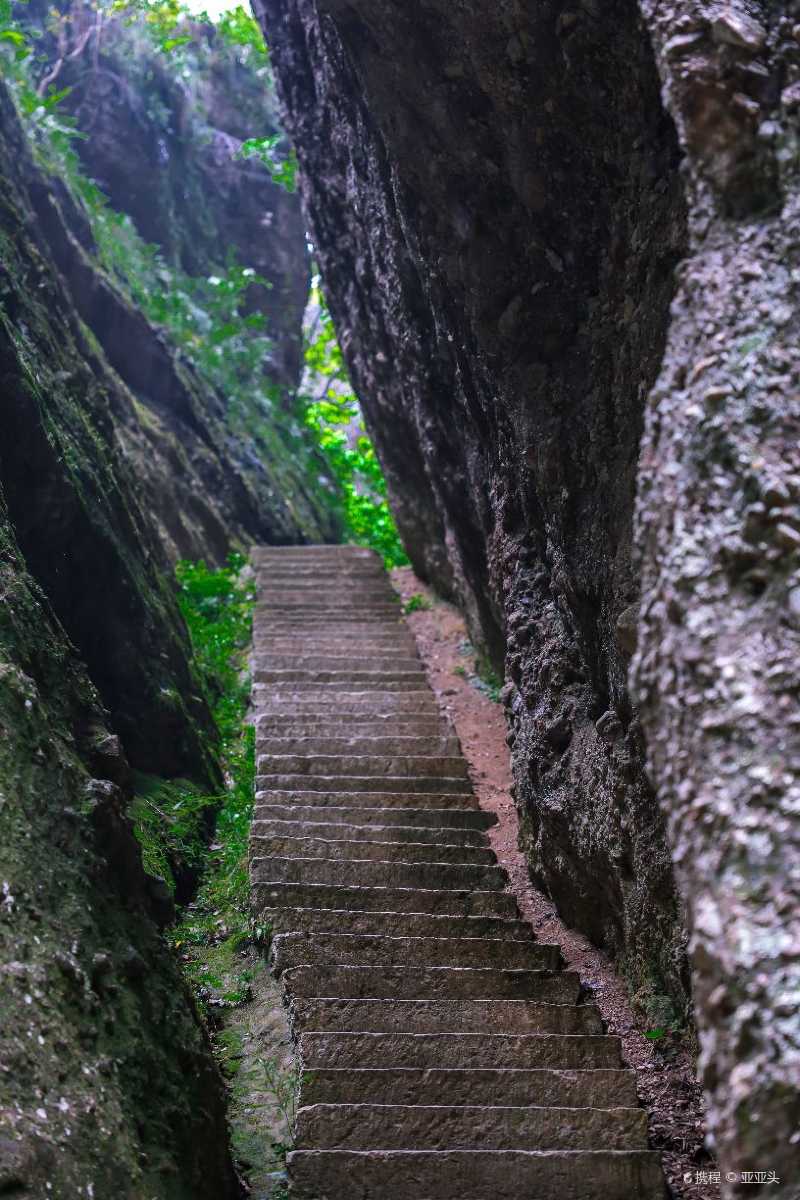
(481, 677)
(417, 603)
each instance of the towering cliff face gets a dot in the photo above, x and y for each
(161, 138)
(498, 203)
(117, 456)
(496, 208)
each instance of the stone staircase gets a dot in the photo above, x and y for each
(445, 1054)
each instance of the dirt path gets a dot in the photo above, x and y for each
(666, 1076)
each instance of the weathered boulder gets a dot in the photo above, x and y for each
(498, 204)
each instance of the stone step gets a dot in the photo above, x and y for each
(265, 660)
(401, 982)
(598, 1088)
(381, 802)
(336, 643)
(427, 820)
(473, 838)
(466, 902)
(289, 586)
(329, 689)
(367, 1015)
(343, 628)
(392, 924)
(402, 852)
(353, 724)
(347, 610)
(455, 1127)
(388, 652)
(361, 745)
(475, 1175)
(430, 766)
(393, 784)
(336, 873)
(358, 745)
(485, 1049)
(307, 700)
(296, 949)
(388, 678)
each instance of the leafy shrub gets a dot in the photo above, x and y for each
(417, 603)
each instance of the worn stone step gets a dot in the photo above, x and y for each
(317, 586)
(289, 653)
(336, 873)
(370, 716)
(307, 700)
(386, 678)
(430, 766)
(356, 625)
(329, 689)
(405, 745)
(353, 724)
(456, 1127)
(392, 924)
(360, 724)
(367, 1015)
(390, 644)
(474, 838)
(412, 785)
(341, 848)
(598, 1088)
(401, 982)
(332, 797)
(476, 1175)
(463, 902)
(427, 820)
(347, 610)
(485, 1049)
(433, 802)
(267, 661)
(296, 949)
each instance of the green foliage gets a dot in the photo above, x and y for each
(335, 418)
(481, 676)
(282, 167)
(489, 683)
(173, 818)
(170, 818)
(417, 603)
(12, 38)
(238, 27)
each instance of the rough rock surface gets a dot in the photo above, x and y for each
(718, 535)
(107, 1083)
(496, 199)
(165, 153)
(73, 499)
(501, 276)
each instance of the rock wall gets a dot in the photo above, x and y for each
(162, 144)
(495, 202)
(73, 497)
(718, 538)
(499, 199)
(107, 1083)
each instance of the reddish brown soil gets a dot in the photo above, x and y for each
(665, 1073)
